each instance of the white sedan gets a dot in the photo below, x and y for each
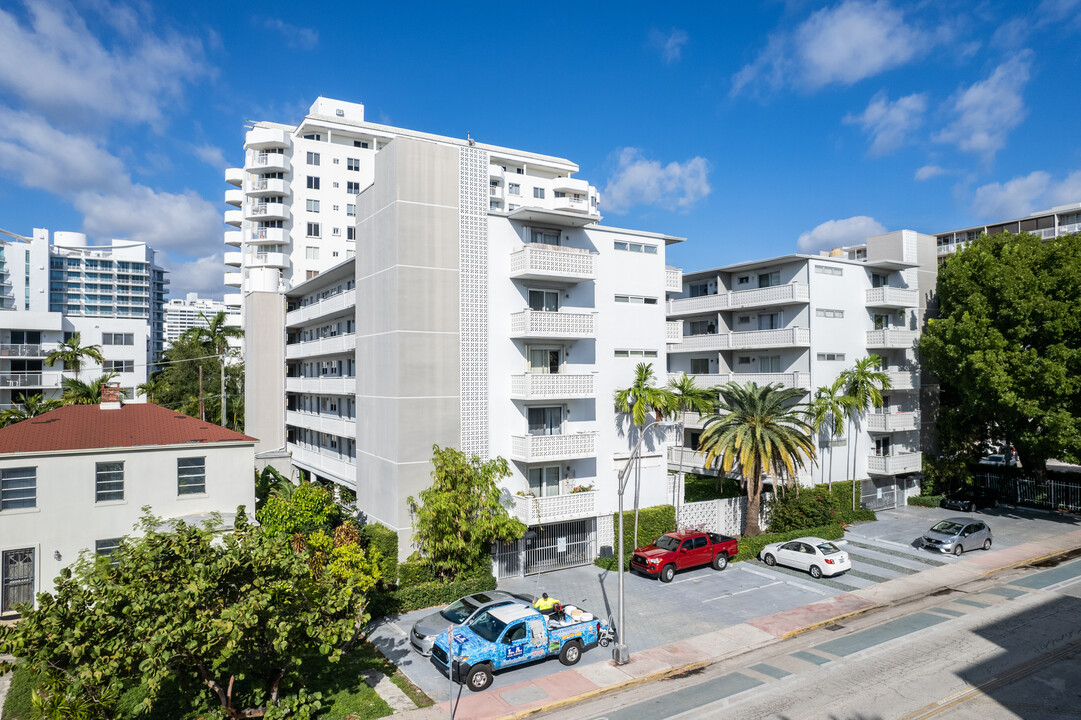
(817, 556)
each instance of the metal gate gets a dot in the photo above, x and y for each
(548, 547)
(17, 568)
(879, 494)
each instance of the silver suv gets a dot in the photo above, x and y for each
(957, 534)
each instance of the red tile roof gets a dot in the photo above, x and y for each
(86, 427)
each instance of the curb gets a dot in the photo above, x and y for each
(830, 621)
(1029, 561)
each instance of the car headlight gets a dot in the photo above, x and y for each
(653, 561)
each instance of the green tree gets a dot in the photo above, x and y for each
(828, 409)
(216, 335)
(1006, 345)
(177, 384)
(77, 392)
(757, 430)
(643, 396)
(864, 383)
(155, 387)
(460, 515)
(231, 615)
(685, 396)
(73, 354)
(31, 406)
(306, 508)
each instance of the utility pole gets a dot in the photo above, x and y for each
(202, 409)
(222, 359)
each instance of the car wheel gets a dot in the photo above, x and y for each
(668, 573)
(769, 559)
(816, 572)
(720, 562)
(987, 544)
(957, 549)
(571, 653)
(479, 678)
(603, 641)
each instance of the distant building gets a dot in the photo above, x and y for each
(1061, 220)
(194, 311)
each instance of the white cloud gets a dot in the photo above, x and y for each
(1068, 191)
(1025, 194)
(840, 45)
(889, 123)
(204, 275)
(211, 155)
(839, 233)
(929, 171)
(669, 44)
(988, 110)
(295, 37)
(181, 222)
(638, 181)
(57, 66)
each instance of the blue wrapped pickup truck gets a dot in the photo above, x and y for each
(512, 635)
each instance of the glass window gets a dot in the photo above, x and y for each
(547, 237)
(313, 158)
(353, 188)
(547, 300)
(18, 488)
(514, 189)
(544, 481)
(769, 279)
(107, 546)
(699, 366)
(109, 481)
(538, 193)
(352, 164)
(313, 205)
(546, 421)
(191, 475)
(313, 182)
(351, 210)
(313, 229)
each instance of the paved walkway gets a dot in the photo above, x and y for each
(586, 681)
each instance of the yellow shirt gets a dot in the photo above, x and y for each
(543, 604)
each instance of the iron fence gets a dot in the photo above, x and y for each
(1026, 491)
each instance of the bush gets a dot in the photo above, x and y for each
(652, 523)
(816, 506)
(384, 540)
(428, 594)
(749, 547)
(697, 488)
(926, 500)
(17, 705)
(414, 572)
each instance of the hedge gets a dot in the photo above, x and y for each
(414, 572)
(749, 547)
(652, 523)
(926, 500)
(385, 541)
(18, 706)
(428, 594)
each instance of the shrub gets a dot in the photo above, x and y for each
(652, 523)
(926, 500)
(17, 705)
(697, 488)
(384, 540)
(428, 594)
(414, 572)
(793, 511)
(749, 547)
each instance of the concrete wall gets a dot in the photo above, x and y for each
(264, 370)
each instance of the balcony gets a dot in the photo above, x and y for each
(541, 510)
(262, 138)
(793, 379)
(690, 460)
(30, 380)
(894, 464)
(339, 344)
(543, 386)
(892, 297)
(234, 238)
(234, 217)
(323, 308)
(537, 448)
(261, 186)
(261, 162)
(673, 331)
(881, 422)
(555, 217)
(892, 338)
(233, 279)
(23, 350)
(233, 259)
(232, 299)
(552, 262)
(570, 185)
(783, 337)
(544, 324)
(267, 260)
(792, 293)
(571, 203)
(673, 279)
(268, 236)
(322, 385)
(234, 176)
(266, 211)
(234, 197)
(903, 379)
(331, 424)
(326, 462)
(495, 171)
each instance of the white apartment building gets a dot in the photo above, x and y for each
(1060, 220)
(486, 309)
(112, 295)
(192, 311)
(799, 320)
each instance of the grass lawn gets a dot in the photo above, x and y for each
(697, 488)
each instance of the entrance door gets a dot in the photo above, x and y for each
(882, 446)
(560, 545)
(17, 568)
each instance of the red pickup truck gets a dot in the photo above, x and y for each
(681, 550)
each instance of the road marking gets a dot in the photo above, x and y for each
(746, 590)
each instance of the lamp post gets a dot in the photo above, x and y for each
(620, 653)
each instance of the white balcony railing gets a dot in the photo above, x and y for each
(673, 330)
(322, 385)
(793, 379)
(891, 338)
(327, 306)
(546, 324)
(894, 464)
(330, 424)
(30, 379)
(326, 462)
(673, 279)
(324, 346)
(234, 238)
(760, 297)
(538, 510)
(269, 236)
(892, 422)
(538, 262)
(903, 379)
(539, 386)
(534, 448)
(892, 297)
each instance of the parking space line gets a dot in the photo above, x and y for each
(802, 586)
(745, 590)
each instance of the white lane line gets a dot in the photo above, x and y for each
(740, 592)
(795, 584)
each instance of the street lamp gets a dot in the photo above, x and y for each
(620, 653)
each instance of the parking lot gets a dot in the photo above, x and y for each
(703, 600)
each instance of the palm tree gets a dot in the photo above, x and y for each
(830, 408)
(217, 333)
(76, 392)
(865, 384)
(686, 395)
(155, 387)
(32, 406)
(758, 429)
(73, 354)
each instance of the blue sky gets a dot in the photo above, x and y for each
(752, 129)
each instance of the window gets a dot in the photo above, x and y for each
(313, 205)
(546, 421)
(107, 547)
(636, 300)
(313, 182)
(636, 353)
(771, 279)
(353, 188)
(547, 300)
(769, 321)
(698, 289)
(313, 136)
(699, 366)
(635, 247)
(350, 233)
(117, 338)
(743, 280)
(879, 280)
(831, 356)
(544, 361)
(828, 270)
(18, 488)
(352, 164)
(546, 237)
(191, 476)
(360, 144)
(824, 313)
(313, 158)
(514, 189)
(544, 481)
(700, 327)
(769, 363)
(313, 230)
(119, 366)
(538, 193)
(744, 360)
(335, 232)
(350, 210)
(336, 161)
(311, 253)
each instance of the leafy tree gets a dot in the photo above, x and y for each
(73, 354)
(828, 409)
(216, 335)
(864, 383)
(1006, 345)
(643, 396)
(306, 508)
(32, 406)
(155, 387)
(233, 615)
(757, 430)
(77, 392)
(460, 514)
(176, 385)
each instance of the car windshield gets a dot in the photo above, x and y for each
(459, 610)
(666, 542)
(947, 527)
(828, 548)
(488, 626)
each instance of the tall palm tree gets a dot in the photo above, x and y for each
(76, 392)
(155, 386)
(217, 333)
(73, 354)
(829, 408)
(757, 430)
(32, 406)
(865, 384)
(686, 395)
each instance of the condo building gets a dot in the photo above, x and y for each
(192, 311)
(112, 295)
(1060, 220)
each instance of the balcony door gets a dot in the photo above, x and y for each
(882, 447)
(769, 321)
(546, 300)
(546, 421)
(545, 361)
(769, 363)
(881, 321)
(544, 481)
(544, 237)
(885, 408)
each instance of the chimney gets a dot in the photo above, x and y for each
(110, 397)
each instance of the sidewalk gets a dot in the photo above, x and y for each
(588, 681)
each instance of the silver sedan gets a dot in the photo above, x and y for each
(459, 612)
(957, 534)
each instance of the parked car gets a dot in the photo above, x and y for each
(970, 499)
(459, 612)
(817, 556)
(682, 550)
(999, 460)
(957, 534)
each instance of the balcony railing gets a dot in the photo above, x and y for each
(322, 385)
(891, 422)
(894, 464)
(673, 330)
(334, 303)
(26, 350)
(903, 379)
(760, 297)
(793, 379)
(673, 279)
(330, 424)
(534, 448)
(325, 462)
(30, 379)
(546, 324)
(540, 262)
(891, 338)
(540, 386)
(538, 510)
(324, 346)
(892, 297)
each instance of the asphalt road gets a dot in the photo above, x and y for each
(1006, 647)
